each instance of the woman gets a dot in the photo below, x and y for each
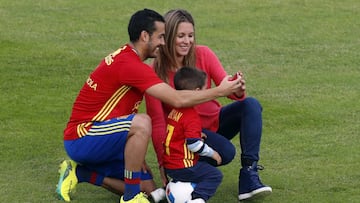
(219, 123)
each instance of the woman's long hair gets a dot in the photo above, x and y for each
(166, 60)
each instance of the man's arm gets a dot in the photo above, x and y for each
(185, 98)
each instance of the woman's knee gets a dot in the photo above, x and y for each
(252, 102)
(228, 154)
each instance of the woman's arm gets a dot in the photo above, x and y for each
(210, 63)
(155, 110)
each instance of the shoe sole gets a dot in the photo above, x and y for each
(261, 192)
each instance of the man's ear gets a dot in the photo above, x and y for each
(144, 36)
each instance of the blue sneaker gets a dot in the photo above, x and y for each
(250, 185)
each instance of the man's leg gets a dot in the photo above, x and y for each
(135, 151)
(101, 155)
(117, 186)
(147, 186)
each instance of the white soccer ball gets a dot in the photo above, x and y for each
(179, 192)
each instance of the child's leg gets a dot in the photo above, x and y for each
(206, 177)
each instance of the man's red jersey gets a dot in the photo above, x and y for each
(182, 124)
(115, 88)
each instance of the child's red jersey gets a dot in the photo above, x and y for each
(182, 124)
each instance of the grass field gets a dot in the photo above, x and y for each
(301, 59)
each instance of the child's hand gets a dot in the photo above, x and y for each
(217, 157)
(203, 136)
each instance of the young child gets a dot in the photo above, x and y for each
(184, 144)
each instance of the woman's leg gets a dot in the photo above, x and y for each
(220, 144)
(244, 117)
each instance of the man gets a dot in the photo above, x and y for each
(105, 137)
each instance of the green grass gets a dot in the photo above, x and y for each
(301, 59)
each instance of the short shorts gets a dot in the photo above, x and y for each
(102, 149)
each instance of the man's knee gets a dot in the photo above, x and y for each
(141, 123)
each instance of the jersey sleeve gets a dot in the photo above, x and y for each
(141, 77)
(198, 146)
(128, 69)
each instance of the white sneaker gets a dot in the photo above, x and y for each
(198, 200)
(158, 195)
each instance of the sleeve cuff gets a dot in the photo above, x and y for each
(234, 97)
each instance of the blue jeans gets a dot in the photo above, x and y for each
(244, 117)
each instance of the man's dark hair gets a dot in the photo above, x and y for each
(143, 20)
(187, 78)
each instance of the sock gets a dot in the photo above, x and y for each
(146, 176)
(158, 194)
(85, 175)
(132, 184)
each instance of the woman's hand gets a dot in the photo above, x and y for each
(228, 86)
(163, 176)
(241, 90)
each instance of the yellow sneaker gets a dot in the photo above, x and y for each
(139, 198)
(67, 180)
